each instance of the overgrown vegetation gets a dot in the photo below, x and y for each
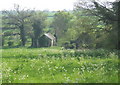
(53, 65)
(85, 49)
(90, 25)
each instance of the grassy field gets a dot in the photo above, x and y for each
(53, 65)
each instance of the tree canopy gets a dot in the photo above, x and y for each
(92, 24)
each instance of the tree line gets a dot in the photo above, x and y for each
(92, 24)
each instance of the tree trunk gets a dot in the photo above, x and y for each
(118, 46)
(34, 43)
(115, 33)
(22, 35)
(56, 38)
(2, 41)
(118, 38)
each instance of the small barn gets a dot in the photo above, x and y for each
(47, 40)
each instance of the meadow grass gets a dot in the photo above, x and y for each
(53, 65)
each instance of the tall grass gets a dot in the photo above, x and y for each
(51, 65)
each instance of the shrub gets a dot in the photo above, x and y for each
(10, 43)
(68, 45)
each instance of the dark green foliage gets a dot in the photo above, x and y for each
(87, 27)
(107, 12)
(61, 23)
(10, 43)
(68, 45)
(17, 19)
(110, 17)
(38, 23)
(92, 53)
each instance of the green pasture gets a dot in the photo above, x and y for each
(56, 65)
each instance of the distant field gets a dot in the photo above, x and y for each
(53, 65)
(50, 16)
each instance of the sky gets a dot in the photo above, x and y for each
(52, 5)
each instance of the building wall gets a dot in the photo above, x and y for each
(44, 41)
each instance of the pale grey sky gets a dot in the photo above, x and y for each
(39, 4)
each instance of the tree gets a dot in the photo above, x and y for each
(84, 27)
(61, 23)
(107, 12)
(38, 23)
(17, 18)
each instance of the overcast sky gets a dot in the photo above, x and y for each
(53, 5)
(38, 4)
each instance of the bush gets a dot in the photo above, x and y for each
(92, 53)
(68, 45)
(10, 43)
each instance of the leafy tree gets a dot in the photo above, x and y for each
(17, 18)
(107, 12)
(61, 23)
(85, 27)
(38, 23)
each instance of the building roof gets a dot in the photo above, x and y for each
(50, 36)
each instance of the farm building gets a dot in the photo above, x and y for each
(47, 40)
